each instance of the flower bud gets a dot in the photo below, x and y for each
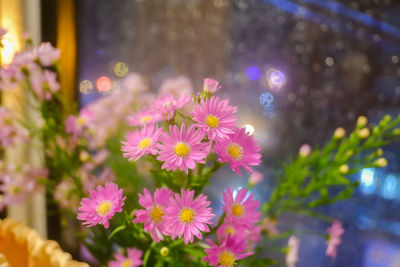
(396, 131)
(363, 133)
(305, 150)
(164, 251)
(255, 178)
(362, 121)
(84, 156)
(344, 169)
(211, 86)
(350, 153)
(379, 152)
(381, 162)
(339, 133)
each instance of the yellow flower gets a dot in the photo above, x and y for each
(339, 133)
(363, 133)
(344, 169)
(362, 121)
(381, 162)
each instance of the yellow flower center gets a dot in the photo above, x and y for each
(146, 119)
(144, 143)
(156, 214)
(81, 120)
(212, 121)
(230, 230)
(226, 258)
(126, 263)
(103, 208)
(186, 215)
(235, 151)
(237, 210)
(181, 150)
(15, 190)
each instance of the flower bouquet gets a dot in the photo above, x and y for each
(134, 167)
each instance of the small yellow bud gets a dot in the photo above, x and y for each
(379, 152)
(363, 133)
(344, 169)
(350, 153)
(84, 155)
(339, 133)
(164, 251)
(362, 121)
(396, 131)
(381, 162)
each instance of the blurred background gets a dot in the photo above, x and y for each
(297, 69)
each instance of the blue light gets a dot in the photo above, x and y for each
(367, 180)
(389, 187)
(253, 73)
(266, 99)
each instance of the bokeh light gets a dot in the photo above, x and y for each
(103, 84)
(253, 73)
(85, 87)
(249, 129)
(120, 69)
(266, 99)
(8, 49)
(367, 180)
(275, 79)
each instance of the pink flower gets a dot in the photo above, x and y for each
(293, 250)
(182, 149)
(226, 254)
(269, 226)
(230, 229)
(153, 214)
(141, 142)
(305, 150)
(46, 54)
(64, 195)
(255, 178)
(144, 117)
(10, 77)
(102, 205)
(75, 125)
(242, 208)
(134, 83)
(186, 216)
(50, 78)
(211, 86)
(335, 232)
(178, 86)
(167, 104)
(132, 260)
(215, 117)
(90, 181)
(15, 187)
(240, 150)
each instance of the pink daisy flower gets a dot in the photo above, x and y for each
(102, 205)
(46, 54)
(141, 142)
(241, 209)
(144, 117)
(239, 150)
(186, 216)
(153, 214)
(75, 124)
(211, 86)
(132, 260)
(230, 229)
(215, 117)
(182, 149)
(335, 232)
(167, 104)
(226, 254)
(293, 251)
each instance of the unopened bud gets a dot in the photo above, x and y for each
(344, 169)
(379, 152)
(164, 251)
(255, 178)
(339, 133)
(381, 162)
(363, 133)
(362, 121)
(305, 150)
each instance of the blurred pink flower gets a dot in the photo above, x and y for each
(211, 86)
(305, 150)
(46, 54)
(65, 196)
(134, 83)
(167, 104)
(293, 250)
(335, 232)
(76, 124)
(270, 226)
(255, 178)
(178, 86)
(132, 260)
(144, 117)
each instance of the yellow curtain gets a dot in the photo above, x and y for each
(22, 246)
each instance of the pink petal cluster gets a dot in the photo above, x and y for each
(239, 150)
(76, 124)
(153, 216)
(134, 83)
(167, 214)
(46, 54)
(255, 178)
(9, 133)
(181, 149)
(144, 117)
(141, 142)
(226, 253)
(215, 118)
(132, 260)
(102, 205)
(64, 195)
(167, 104)
(177, 86)
(270, 226)
(293, 251)
(335, 232)
(211, 86)
(44, 84)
